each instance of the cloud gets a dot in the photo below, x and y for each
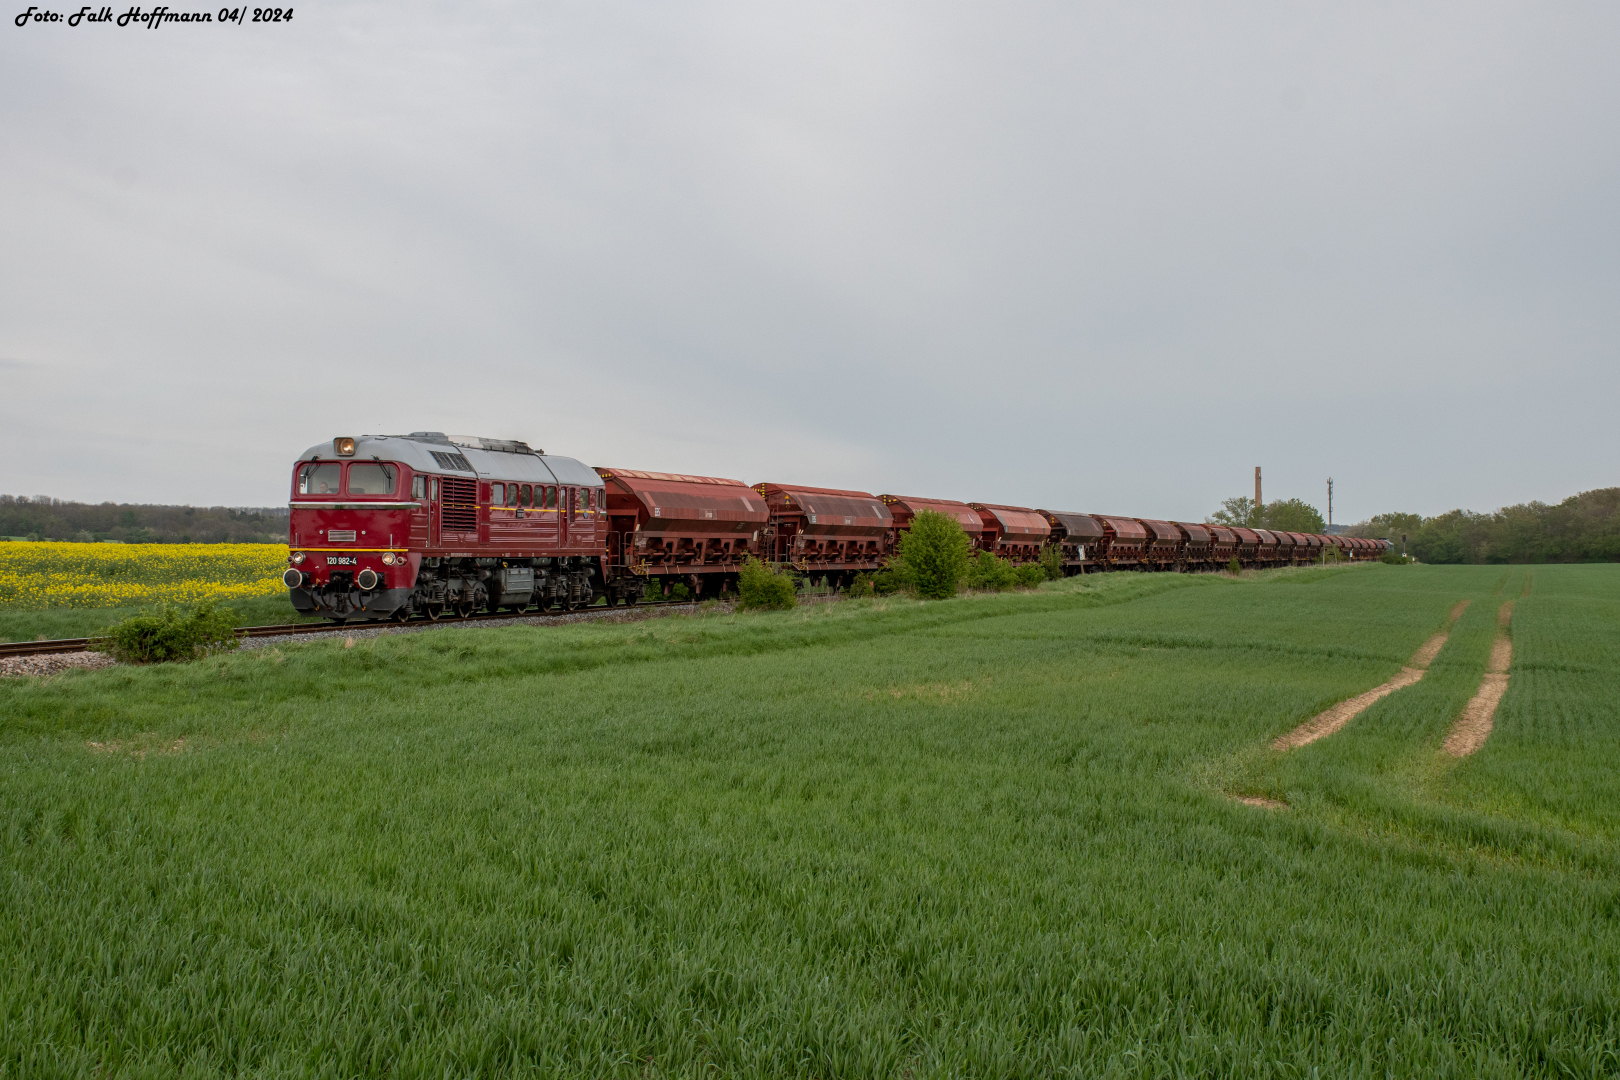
(1104, 258)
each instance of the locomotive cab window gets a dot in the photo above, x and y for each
(320, 479)
(366, 478)
(497, 494)
(418, 487)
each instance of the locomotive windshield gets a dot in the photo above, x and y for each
(321, 479)
(368, 479)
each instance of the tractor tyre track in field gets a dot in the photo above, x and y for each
(1473, 727)
(1326, 723)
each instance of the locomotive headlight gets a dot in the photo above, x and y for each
(297, 558)
(388, 558)
(343, 447)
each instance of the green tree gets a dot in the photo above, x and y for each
(1238, 510)
(1289, 515)
(1292, 515)
(932, 556)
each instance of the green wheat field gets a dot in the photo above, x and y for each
(994, 836)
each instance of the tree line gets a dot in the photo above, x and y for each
(1582, 528)
(45, 518)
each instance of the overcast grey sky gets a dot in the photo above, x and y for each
(1099, 257)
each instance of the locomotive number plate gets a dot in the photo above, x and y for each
(342, 560)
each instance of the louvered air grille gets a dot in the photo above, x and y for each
(451, 461)
(458, 510)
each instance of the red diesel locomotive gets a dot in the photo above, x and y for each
(391, 526)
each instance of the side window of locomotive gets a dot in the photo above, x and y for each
(368, 478)
(319, 479)
(418, 487)
(551, 498)
(433, 489)
(511, 494)
(527, 490)
(497, 494)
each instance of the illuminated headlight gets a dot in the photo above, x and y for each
(297, 558)
(343, 447)
(388, 558)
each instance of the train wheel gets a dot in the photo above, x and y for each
(401, 614)
(464, 609)
(434, 612)
(630, 601)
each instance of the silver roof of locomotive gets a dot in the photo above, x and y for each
(513, 461)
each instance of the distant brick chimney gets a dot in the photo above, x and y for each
(1258, 505)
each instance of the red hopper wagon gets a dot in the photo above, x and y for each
(1014, 533)
(679, 527)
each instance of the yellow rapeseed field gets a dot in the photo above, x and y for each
(55, 575)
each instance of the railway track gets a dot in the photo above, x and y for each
(67, 645)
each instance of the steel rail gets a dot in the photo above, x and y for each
(69, 645)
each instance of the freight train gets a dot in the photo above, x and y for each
(395, 526)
